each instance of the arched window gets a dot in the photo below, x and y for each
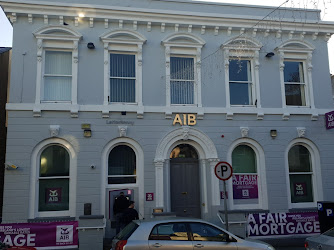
(245, 176)
(300, 174)
(122, 165)
(54, 179)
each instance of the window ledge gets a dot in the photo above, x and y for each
(51, 219)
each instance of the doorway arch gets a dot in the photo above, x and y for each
(207, 157)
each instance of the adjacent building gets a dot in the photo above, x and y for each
(5, 56)
(147, 96)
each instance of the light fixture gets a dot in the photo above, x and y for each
(90, 45)
(270, 54)
(273, 133)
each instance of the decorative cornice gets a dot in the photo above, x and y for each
(102, 12)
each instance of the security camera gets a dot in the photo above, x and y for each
(10, 166)
(92, 167)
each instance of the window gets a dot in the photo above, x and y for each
(183, 69)
(170, 231)
(245, 177)
(242, 72)
(57, 66)
(304, 183)
(247, 189)
(122, 70)
(122, 78)
(296, 73)
(122, 165)
(54, 173)
(294, 83)
(241, 85)
(57, 76)
(182, 80)
(300, 174)
(205, 232)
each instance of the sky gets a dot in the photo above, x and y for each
(326, 6)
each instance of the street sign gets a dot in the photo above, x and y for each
(223, 170)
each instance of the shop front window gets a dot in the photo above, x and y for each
(54, 179)
(122, 165)
(245, 176)
(300, 174)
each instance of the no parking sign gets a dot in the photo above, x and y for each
(223, 171)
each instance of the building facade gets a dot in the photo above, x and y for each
(5, 55)
(148, 96)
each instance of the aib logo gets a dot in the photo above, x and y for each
(65, 234)
(53, 195)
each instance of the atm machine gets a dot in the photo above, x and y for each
(113, 194)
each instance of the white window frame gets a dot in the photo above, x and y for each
(243, 48)
(261, 173)
(252, 92)
(34, 187)
(123, 42)
(316, 174)
(184, 45)
(298, 51)
(45, 75)
(59, 38)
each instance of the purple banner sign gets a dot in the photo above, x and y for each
(45, 235)
(245, 186)
(282, 224)
(329, 120)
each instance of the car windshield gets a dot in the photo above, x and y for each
(330, 232)
(127, 231)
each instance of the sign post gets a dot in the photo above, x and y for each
(224, 171)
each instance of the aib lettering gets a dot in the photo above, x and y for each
(188, 119)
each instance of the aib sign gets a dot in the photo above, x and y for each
(329, 120)
(53, 195)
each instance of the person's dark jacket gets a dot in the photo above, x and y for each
(121, 203)
(129, 215)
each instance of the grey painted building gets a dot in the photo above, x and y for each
(148, 96)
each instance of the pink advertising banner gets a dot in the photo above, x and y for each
(55, 235)
(245, 186)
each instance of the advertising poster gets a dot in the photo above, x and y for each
(245, 186)
(282, 224)
(46, 235)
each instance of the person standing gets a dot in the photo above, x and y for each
(129, 214)
(121, 203)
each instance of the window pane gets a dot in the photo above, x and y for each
(122, 90)
(122, 161)
(171, 231)
(57, 88)
(181, 68)
(239, 70)
(184, 151)
(294, 94)
(299, 159)
(122, 65)
(301, 188)
(240, 93)
(121, 180)
(54, 162)
(293, 71)
(53, 195)
(58, 63)
(204, 232)
(182, 92)
(243, 160)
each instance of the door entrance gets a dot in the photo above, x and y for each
(184, 178)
